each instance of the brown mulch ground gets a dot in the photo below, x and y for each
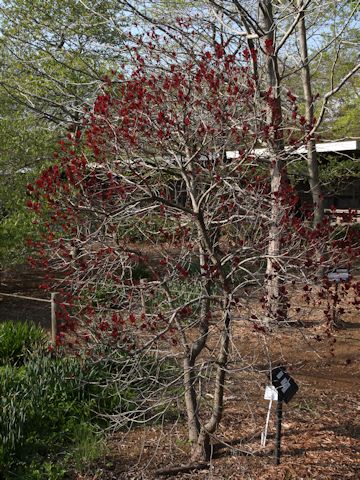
(321, 426)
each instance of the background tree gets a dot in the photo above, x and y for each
(25, 144)
(53, 58)
(56, 53)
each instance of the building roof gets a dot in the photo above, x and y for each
(326, 147)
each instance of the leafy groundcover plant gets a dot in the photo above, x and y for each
(18, 340)
(54, 407)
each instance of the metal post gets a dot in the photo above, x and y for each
(278, 432)
(53, 317)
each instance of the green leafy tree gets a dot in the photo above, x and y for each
(57, 52)
(54, 55)
(25, 143)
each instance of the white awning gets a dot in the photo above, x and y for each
(327, 147)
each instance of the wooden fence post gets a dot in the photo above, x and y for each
(143, 306)
(53, 317)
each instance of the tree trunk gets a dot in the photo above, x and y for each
(191, 400)
(202, 449)
(275, 302)
(312, 160)
(196, 348)
(278, 177)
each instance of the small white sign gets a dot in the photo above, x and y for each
(271, 393)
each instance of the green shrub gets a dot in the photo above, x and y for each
(18, 340)
(50, 406)
(44, 405)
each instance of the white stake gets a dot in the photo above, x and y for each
(264, 433)
(271, 394)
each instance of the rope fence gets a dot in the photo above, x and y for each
(24, 297)
(52, 302)
(53, 306)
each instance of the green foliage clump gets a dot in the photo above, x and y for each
(44, 405)
(55, 407)
(18, 340)
(25, 144)
(338, 172)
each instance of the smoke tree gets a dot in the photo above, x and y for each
(157, 213)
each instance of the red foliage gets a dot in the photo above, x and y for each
(150, 161)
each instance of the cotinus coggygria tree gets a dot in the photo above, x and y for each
(157, 232)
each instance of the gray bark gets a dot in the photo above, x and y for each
(208, 241)
(191, 400)
(312, 160)
(202, 449)
(277, 172)
(197, 347)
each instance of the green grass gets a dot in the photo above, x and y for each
(18, 340)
